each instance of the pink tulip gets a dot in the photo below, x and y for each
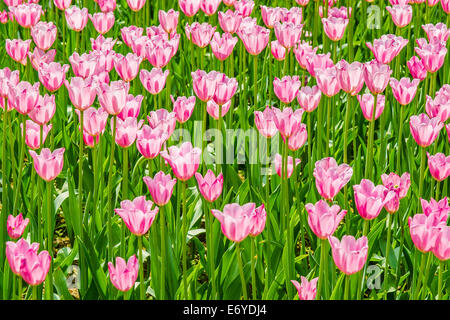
(439, 166)
(189, 7)
(200, 34)
(432, 55)
(309, 97)
(307, 290)
(8, 77)
(229, 3)
(154, 81)
(27, 14)
(89, 140)
(366, 102)
(287, 88)
(349, 254)
(331, 178)
(445, 6)
(302, 3)
(424, 230)
(83, 66)
(376, 76)
(32, 134)
(76, 18)
(132, 107)
(350, 76)
(210, 186)
(124, 275)
(416, 68)
(258, 221)
(225, 89)
(183, 108)
(387, 47)
(288, 34)
(138, 215)
(323, 219)
(342, 12)
(230, 21)
(44, 110)
(107, 5)
(149, 141)
(235, 220)
(184, 160)
(48, 165)
(401, 14)
(102, 21)
(399, 186)
(334, 27)
(255, 39)
(81, 92)
(53, 75)
(287, 121)
(136, 5)
(130, 34)
(127, 66)
(438, 107)
(371, 199)
(18, 49)
(209, 7)
(442, 248)
(16, 226)
(113, 97)
(94, 121)
(440, 208)
(160, 187)
(205, 84)
(244, 7)
(298, 139)
(37, 57)
(62, 4)
(270, 16)
(34, 267)
(4, 17)
(425, 130)
(24, 96)
(327, 81)
(15, 253)
(126, 131)
(223, 46)
(290, 166)
(404, 90)
(168, 20)
(213, 109)
(438, 31)
(293, 15)
(318, 61)
(278, 51)
(44, 35)
(265, 122)
(164, 120)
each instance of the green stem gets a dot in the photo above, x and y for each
(19, 292)
(184, 242)
(369, 160)
(124, 196)
(110, 187)
(388, 248)
(427, 273)
(400, 138)
(347, 287)
(163, 252)
(241, 270)
(34, 293)
(253, 268)
(210, 248)
(361, 275)
(419, 280)
(322, 269)
(5, 187)
(49, 279)
(327, 142)
(22, 161)
(441, 268)
(421, 172)
(141, 271)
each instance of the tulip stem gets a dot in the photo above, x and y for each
(22, 161)
(241, 270)
(347, 287)
(110, 187)
(253, 268)
(210, 247)
(141, 271)
(400, 139)
(49, 280)
(34, 293)
(5, 185)
(427, 273)
(163, 251)
(184, 243)
(322, 270)
(19, 292)
(421, 172)
(441, 269)
(419, 280)
(361, 274)
(388, 248)
(124, 196)
(369, 159)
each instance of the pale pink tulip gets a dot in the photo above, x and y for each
(62, 4)
(183, 108)
(387, 47)
(401, 14)
(149, 141)
(404, 90)
(200, 34)
(184, 160)
(270, 16)
(168, 20)
(136, 5)
(210, 186)
(265, 122)
(230, 21)
(18, 49)
(34, 267)
(15, 253)
(189, 7)
(132, 107)
(258, 221)
(81, 92)
(442, 247)
(425, 230)
(23, 96)
(124, 275)
(278, 51)
(244, 7)
(327, 81)
(16, 225)
(376, 76)
(44, 110)
(27, 14)
(290, 166)
(126, 131)
(439, 166)
(318, 61)
(235, 220)
(32, 134)
(44, 34)
(48, 165)
(334, 27)
(76, 18)
(286, 89)
(323, 219)
(416, 68)
(160, 187)
(138, 215)
(331, 178)
(366, 102)
(371, 199)
(287, 121)
(307, 290)
(53, 75)
(127, 66)
(113, 97)
(309, 97)
(288, 34)
(425, 130)
(223, 46)
(350, 76)
(349, 254)
(255, 39)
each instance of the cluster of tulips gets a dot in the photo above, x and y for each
(267, 68)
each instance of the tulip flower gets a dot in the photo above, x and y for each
(331, 178)
(376, 76)
(204, 84)
(15, 252)
(371, 199)
(76, 18)
(210, 186)
(130, 34)
(190, 7)
(113, 97)
(222, 47)
(27, 14)
(163, 120)
(52, 75)
(270, 16)
(288, 34)
(44, 35)
(438, 31)
(183, 108)
(387, 47)
(303, 51)
(404, 90)
(32, 134)
(149, 141)
(309, 97)
(416, 68)
(290, 164)
(34, 267)
(160, 187)
(334, 27)
(136, 5)
(323, 219)
(168, 20)
(307, 289)
(107, 5)
(442, 248)
(138, 215)
(439, 166)
(16, 226)
(124, 275)
(18, 49)
(230, 21)
(225, 89)
(327, 81)
(424, 230)
(184, 160)
(440, 208)
(127, 66)
(425, 130)
(132, 107)
(287, 88)
(298, 139)
(62, 4)
(318, 61)
(350, 76)
(126, 131)
(24, 96)
(258, 221)
(278, 51)
(438, 107)
(349, 254)
(399, 186)
(244, 7)
(209, 7)
(255, 39)
(432, 55)
(287, 121)
(48, 165)
(200, 34)
(81, 92)
(366, 102)
(265, 122)
(83, 66)
(8, 77)
(401, 14)
(154, 81)
(102, 21)
(235, 220)
(213, 109)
